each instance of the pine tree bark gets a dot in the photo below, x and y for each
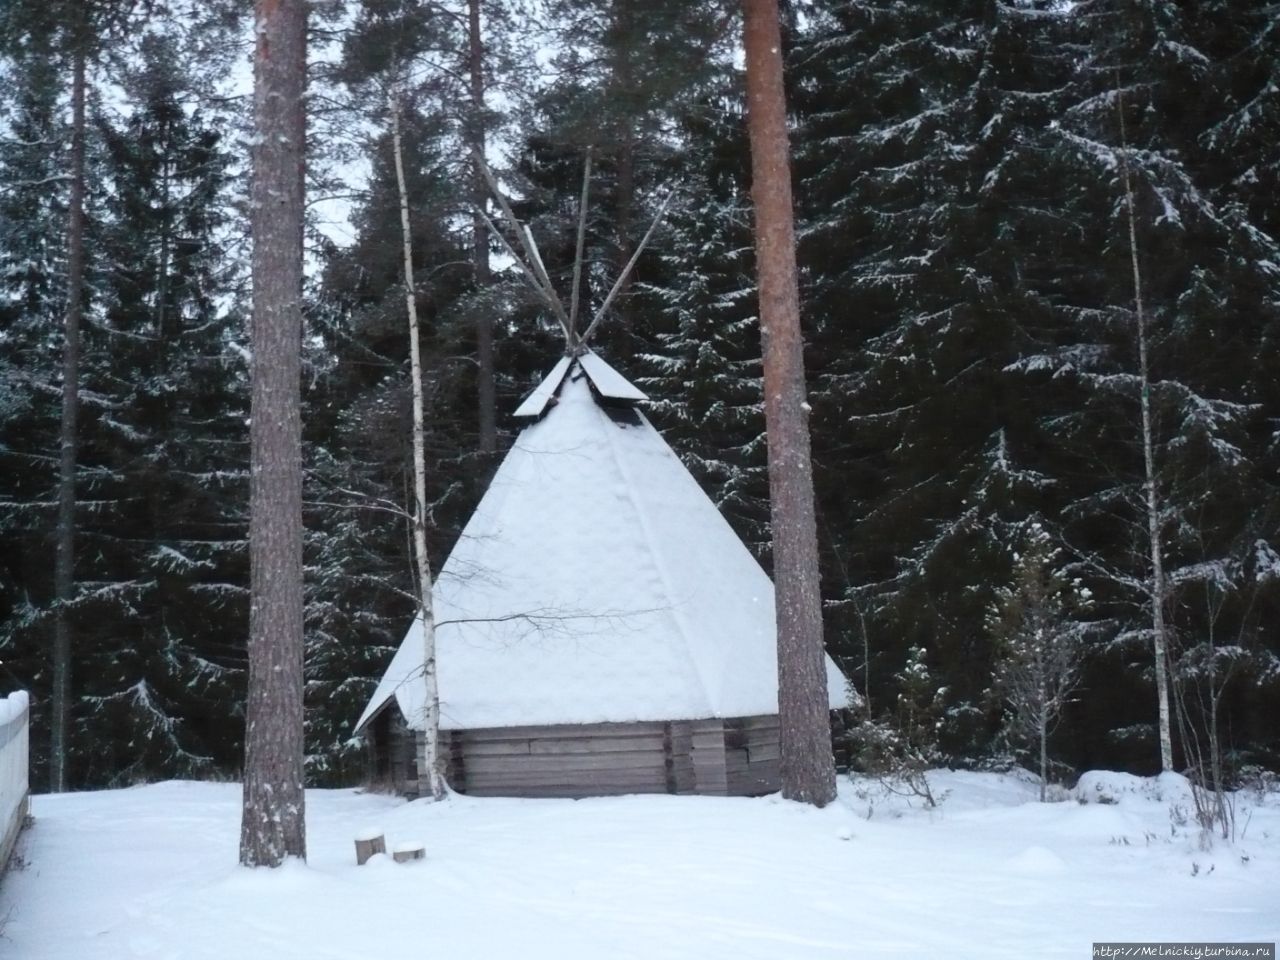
(1151, 495)
(273, 816)
(808, 768)
(486, 398)
(430, 774)
(64, 564)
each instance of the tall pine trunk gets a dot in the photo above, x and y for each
(1151, 495)
(479, 233)
(273, 823)
(430, 774)
(808, 768)
(64, 565)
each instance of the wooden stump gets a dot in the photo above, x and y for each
(369, 843)
(404, 852)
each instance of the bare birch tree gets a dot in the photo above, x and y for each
(1150, 490)
(808, 768)
(430, 774)
(273, 817)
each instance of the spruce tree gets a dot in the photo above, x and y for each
(170, 525)
(703, 371)
(1039, 645)
(32, 294)
(925, 232)
(1199, 267)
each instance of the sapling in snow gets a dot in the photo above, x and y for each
(900, 748)
(1038, 644)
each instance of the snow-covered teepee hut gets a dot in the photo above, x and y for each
(600, 628)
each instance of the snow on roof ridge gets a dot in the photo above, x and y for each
(536, 403)
(607, 381)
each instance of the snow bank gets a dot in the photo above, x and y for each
(989, 873)
(1109, 786)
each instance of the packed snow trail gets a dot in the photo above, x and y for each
(150, 872)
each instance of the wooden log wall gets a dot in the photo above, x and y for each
(571, 760)
(737, 757)
(709, 773)
(751, 756)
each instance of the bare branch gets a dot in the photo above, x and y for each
(398, 512)
(529, 275)
(539, 267)
(530, 253)
(45, 181)
(626, 271)
(578, 249)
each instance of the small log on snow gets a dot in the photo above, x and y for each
(404, 852)
(367, 844)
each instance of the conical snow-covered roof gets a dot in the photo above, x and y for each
(595, 582)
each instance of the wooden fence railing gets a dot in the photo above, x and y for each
(15, 725)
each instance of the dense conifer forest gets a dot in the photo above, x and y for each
(1039, 252)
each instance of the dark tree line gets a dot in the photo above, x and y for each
(966, 293)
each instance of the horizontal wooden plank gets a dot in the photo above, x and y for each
(563, 730)
(765, 751)
(494, 748)
(577, 761)
(567, 784)
(627, 741)
(567, 776)
(537, 792)
(644, 744)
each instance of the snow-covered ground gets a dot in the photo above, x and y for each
(150, 872)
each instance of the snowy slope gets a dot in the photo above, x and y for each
(149, 873)
(595, 582)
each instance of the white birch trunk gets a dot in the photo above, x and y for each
(431, 775)
(1151, 496)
